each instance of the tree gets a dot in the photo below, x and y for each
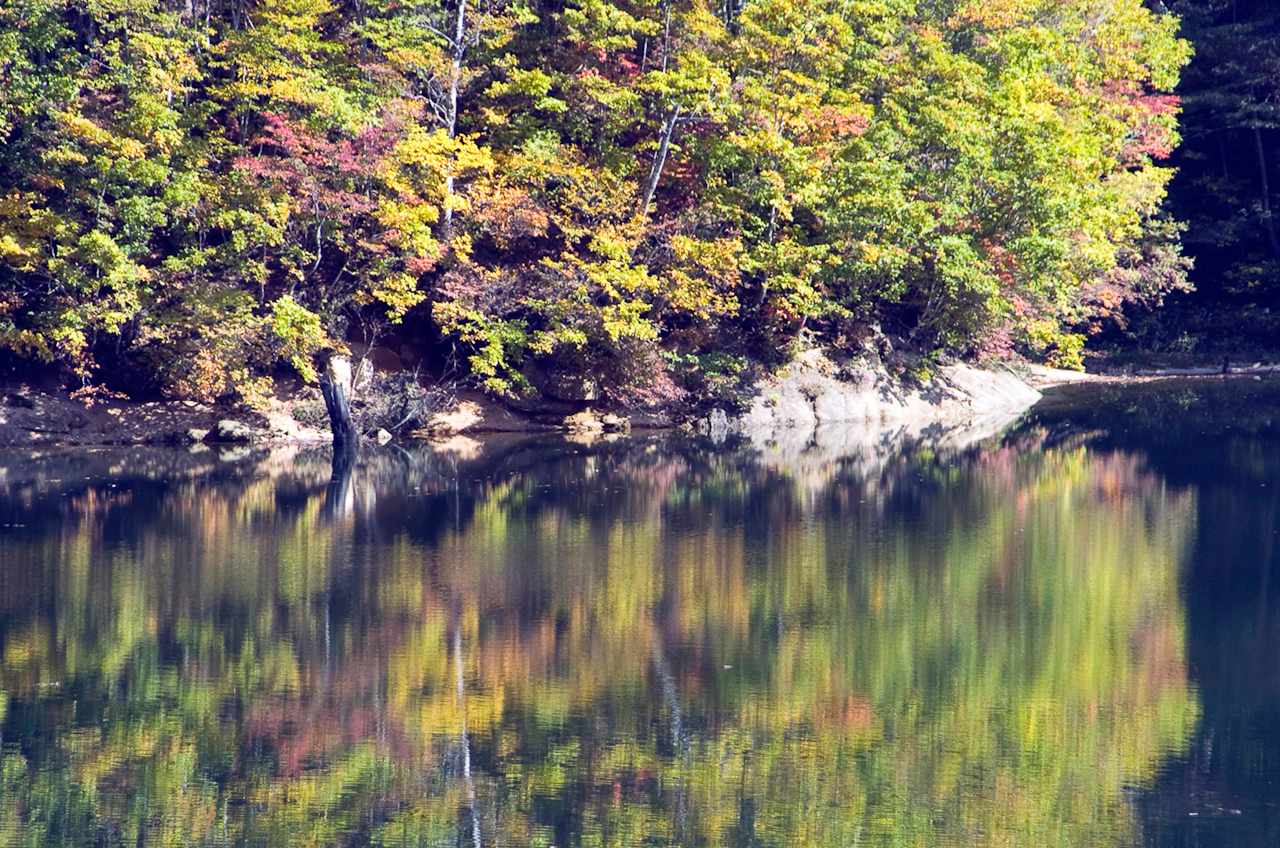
(603, 189)
(1228, 163)
(96, 162)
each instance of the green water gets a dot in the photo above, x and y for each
(1064, 635)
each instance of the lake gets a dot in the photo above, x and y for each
(1062, 633)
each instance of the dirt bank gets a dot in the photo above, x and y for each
(34, 417)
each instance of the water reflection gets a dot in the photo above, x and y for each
(618, 643)
(1223, 438)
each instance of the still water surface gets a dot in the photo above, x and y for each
(1064, 635)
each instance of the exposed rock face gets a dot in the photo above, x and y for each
(814, 392)
(816, 417)
(811, 394)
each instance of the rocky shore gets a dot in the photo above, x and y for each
(808, 401)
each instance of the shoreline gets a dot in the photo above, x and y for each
(810, 394)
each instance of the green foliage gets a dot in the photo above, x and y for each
(301, 334)
(499, 349)
(713, 378)
(612, 178)
(207, 345)
(1061, 350)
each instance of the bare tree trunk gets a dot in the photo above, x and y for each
(334, 379)
(451, 117)
(660, 158)
(1266, 194)
(668, 126)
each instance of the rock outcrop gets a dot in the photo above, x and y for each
(815, 417)
(813, 391)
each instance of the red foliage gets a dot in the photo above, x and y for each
(1150, 136)
(1003, 264)
(330, 179)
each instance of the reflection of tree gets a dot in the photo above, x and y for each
(620, 646)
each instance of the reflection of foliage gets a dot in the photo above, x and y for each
(1211, 428)
(620, 647)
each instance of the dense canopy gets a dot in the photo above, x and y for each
(1227, 169)
(194, 193)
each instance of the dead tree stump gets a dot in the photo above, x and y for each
(335, 384)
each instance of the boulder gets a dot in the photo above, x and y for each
(230, 430)
(615, 423)
(813, 392)
(195, 435)
(592, 421)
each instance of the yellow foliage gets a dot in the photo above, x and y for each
(399, 292)
(301, 332)
(87, 131)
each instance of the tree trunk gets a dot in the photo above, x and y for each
(1266, 194)
(455, 79)
(345, 435)
(660, 158)
(668, 126)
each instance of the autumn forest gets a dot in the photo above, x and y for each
(197, 196)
